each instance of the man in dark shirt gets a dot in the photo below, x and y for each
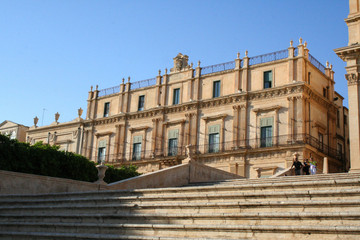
(298, 165)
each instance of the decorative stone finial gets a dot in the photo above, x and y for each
(199, 63)
(238, 55)
(291, 43)
(246, 53)
(36, 120)
(300, 41)
(91, 88)
(166, 70)
(327, 64)
(191, 65)
(129, 79)
(180, 63)
(305, 44)
(159, 72)
(331, 66)
(97, 86)
(80, 112)
(189, 154)
(123, 80)
(57, 115)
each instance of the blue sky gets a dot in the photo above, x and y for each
(51, 52)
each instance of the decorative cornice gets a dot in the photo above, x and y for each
(138, 129)
(267, 109)
(212, 118)
(181, 121)
(103, 133)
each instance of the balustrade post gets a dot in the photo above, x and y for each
(245, 72)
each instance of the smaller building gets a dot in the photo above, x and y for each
(13, 130)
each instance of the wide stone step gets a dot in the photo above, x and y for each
(84, 236)
(301, 178)
(265, 218)
(264, 187)
(201, 231)
(194, 207)
(214, 196)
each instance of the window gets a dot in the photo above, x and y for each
(338, 118)
(266, 136)
(136, 151)
(325, 92)
(309, 77)
(345, 119)
(216, 89)
(214, 141)
(339, 151)
(141, 103)
(267, 79)
(173, 147)
(176, 96)
(321, 141)
(101, 154)
(106, 109)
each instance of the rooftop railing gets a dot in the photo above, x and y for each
(143, 83)
(269, 57)
(109, 91)
(316, 63)
(218, 68)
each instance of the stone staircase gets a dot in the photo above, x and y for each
(293, 207)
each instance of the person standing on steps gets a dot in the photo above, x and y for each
(306, 167)
(312, 165)
(297, 164)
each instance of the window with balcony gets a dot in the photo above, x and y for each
(106, 109)
(176, 96)
(173, 147)
(268, 79)
(173, 142)
(266, 132)
(321, 141)
(101, 154)
(216, 89)
(136, 153)
(141, 103)
(214, 138)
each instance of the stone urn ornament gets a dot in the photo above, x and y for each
(101, 173)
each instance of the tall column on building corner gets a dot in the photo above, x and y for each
(351, 54)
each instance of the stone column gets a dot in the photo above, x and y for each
(300, 62)
(243, 125)
(236, 126)
(237, 73)
(245, 72)
(290, 118)
(158, 89)
(125, 106)
(291, 62)
(121, 95)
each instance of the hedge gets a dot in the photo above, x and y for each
(43, 159)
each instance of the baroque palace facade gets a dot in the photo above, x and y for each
(248, 116)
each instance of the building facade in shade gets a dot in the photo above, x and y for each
(351, 54)
(13, 130)
(247, 116)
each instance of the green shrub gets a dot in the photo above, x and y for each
(47, 160)
(117, 174)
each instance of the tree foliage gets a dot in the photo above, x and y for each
(47, 160)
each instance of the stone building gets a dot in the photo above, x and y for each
(247, 116)
(13, 130)
(351, 54)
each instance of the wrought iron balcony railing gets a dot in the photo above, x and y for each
(241, 145)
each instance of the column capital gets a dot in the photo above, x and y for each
(352, 78)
